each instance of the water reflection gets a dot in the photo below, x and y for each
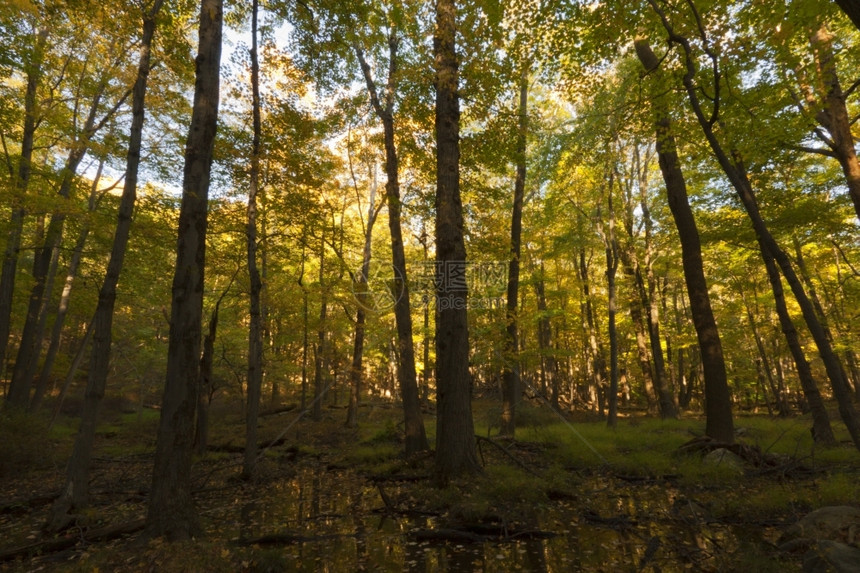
(346, 527)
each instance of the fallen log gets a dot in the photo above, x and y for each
(486, 534)
(287, 539)
(67, 541)
(24, 504)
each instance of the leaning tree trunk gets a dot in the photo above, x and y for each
(255, 329)
(455, 431)
(63, 307)
(75, 492)
(736, 173)
(511, 370)
(416, 439)
(821, 430)
(171, 512)
(45, 256)
(718, 407)
(18, 396)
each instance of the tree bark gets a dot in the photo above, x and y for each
(511, 369)
(46, 254)
(611, 249)
(355, 369)
(852, 10)
(455, 435)
(75, 493)
(320, 349)
(18, 395)
(718, 408)
(171, 512)
(736, 173)
(63, 307)
(255, 329)
(834, 114)
(416, 439)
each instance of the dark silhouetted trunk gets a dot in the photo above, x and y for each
(355, 369)
(75, 492)
(718, 407)
(255, 328)
(511, 370)
(416, 439)
(319, 351)
(19, 395)
(171, 512)
(736, 173)
(63, 307)
(455, 430)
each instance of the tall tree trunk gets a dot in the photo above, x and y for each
(63, 307)
(763, 363)
(455, 430)
(171, 511)
(416, 439)
(75, 493)
(665, 396)
(320, 349)
(355, 369)
(736, 173)
(511, 369)
(45, 254)
(610, 242)
(630, 261)
(305, 341)
(598, 375)
(255, 329)
(718, 407)
(207, 384)
(544, 336)
(834, 115)
(18, 396)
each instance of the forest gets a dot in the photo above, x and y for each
(513, 285)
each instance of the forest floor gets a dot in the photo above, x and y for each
(568, 494)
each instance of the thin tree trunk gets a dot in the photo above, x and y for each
(718, 408)
(255, 330)
(18, 395)
(70, 375)
(207, 387)
(355, 369)
(736, 173)
(171, 512)
(661, 379)
(319, 362)
(763, 364)
(63, 308)
(611, 250)
(511, 369)
(455, 430)
(821, 430)
(28, 349)
(416, 439)
(75, 493)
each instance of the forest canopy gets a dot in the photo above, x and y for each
(608, 209)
